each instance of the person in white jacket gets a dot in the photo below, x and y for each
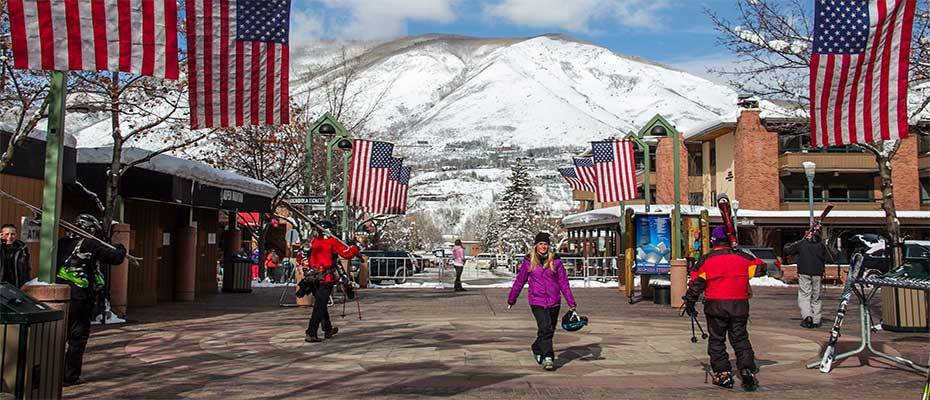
(458, 261)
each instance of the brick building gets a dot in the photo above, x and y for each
(755, 156)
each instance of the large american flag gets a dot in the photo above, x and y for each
(614, 169)
(859, 70)
(584, 168)
(370, 174)
(238, 62)
(137, 36)
(399, 183)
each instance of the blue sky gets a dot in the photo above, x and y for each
(675, 32)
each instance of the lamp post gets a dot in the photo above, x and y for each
(338, 136)
(659, 129)
(810, 169)
(644, 147)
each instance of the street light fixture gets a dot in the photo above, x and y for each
(327, 130)
(810, 169)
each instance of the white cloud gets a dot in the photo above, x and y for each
(579, 15)
(306, 27)
(377, 19)
(699, 65)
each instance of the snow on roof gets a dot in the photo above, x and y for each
(612, 214)
(768, 109)
(193, 170)
(38, 134)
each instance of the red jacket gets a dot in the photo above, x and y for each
(723, 275)
(323, 252)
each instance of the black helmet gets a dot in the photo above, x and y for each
(89, 223)
(571, 321)
(326, 224)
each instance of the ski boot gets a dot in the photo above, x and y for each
(548, 364)
(723, 379)
(312, 339)
(329, 334)
(538, 358)
(750, 383)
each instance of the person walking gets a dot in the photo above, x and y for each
(811, 258)
(271, 265)
(458, 262)
(723, 276)
(320, 276)
(548, 284)
(14, 257)
(79, 259)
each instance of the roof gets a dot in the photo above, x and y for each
(611, 215)
(38, 134)
(194, 170)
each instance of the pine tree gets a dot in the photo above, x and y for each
(517, 211)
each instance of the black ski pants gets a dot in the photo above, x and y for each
(320, 314)
(80, 313)
(546, 319)
(719, 328)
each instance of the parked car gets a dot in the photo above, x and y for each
(388, 264)
(486, 261)
(767, 254)
(915, 252)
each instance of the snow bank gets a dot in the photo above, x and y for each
(268, 284)
(767, 281)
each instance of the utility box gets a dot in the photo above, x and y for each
(33, 336)
(237, 275)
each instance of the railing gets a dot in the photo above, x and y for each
(580, 268)
(397, 269)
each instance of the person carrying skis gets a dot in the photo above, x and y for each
(320, 276)
(723, 276)
(78, 260)
(548, 283)
(811, 259)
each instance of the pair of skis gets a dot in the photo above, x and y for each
(829, 352)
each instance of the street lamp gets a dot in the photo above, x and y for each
(337, 136)
(810, 169)
(659, 129)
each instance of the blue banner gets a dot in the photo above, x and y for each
(653, 244)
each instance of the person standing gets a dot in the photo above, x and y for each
(14, 257)
(723, 276)
(811, 259)
(324, 250)
(78, 260)
(458, 262)
(548, 283)
(271, 265)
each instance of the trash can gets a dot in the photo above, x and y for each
(33, 336)
(661, 292)
(237, 275)
(904, 310)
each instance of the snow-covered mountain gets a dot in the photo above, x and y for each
(462, 108)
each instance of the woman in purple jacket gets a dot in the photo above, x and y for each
(548, 283)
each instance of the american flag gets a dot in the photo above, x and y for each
(400, 182)
(572, 178)
(238, 62)
(138, 37)
(859, 70)
(369, 175)
(615, 170)
(584, 168)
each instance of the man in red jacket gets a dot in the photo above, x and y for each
(324, 253)
(723, 275)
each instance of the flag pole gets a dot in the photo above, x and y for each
(51, 192)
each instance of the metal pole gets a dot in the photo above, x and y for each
(676, 216)
(646, 165)
(810, 198)
(329, 179)
(345, 196)
(51, 193)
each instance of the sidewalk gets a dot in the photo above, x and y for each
(434, 343)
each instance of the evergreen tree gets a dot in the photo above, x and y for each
(517, 211)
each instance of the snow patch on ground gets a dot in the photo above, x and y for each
(767, 281)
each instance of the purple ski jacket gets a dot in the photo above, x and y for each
(546, 285)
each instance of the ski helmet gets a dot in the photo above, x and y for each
(89, 223)
(326, 224)
(571, 321)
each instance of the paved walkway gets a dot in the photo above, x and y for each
(432, 343)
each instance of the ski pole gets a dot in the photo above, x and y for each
(703, 335)
(693, 336)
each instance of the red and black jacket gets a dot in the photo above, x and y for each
(723, 276)
(323, 252)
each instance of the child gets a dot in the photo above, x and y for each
(548, 282)
(723, 275)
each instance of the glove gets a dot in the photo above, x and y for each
(352, 242)
(690, 310)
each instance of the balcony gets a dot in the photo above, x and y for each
(842, 162)
(870, 206)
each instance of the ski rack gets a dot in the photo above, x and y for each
(865, 288)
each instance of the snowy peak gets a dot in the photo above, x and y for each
(534, 92)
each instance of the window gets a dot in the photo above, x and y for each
(925, 190)
(695, 162)
(923, 144)
(640, 160)
(917, 251)
(846, 188)
(802, 143)
(696, 198)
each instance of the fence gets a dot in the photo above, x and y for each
(586, 268)
(397, 269)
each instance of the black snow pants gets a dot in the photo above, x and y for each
(719, 328)
(546, 319)
(80, 313)
(320, 314)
